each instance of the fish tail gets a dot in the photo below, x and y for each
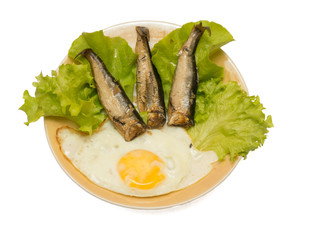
(82, 53)
(143, 32)
(202, 28)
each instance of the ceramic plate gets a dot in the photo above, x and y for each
(220, 170)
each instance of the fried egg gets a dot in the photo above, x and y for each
(158, 162)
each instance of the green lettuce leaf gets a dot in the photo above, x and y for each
(228, 121)
(165, 53)
(117, 55)
(70, 93)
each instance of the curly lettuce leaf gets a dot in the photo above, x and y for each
(70, 93)
(117, 55)
(228, 121)
(165, 53)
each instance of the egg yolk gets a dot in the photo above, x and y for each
(141, 169)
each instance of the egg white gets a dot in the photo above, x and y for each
(97, 156)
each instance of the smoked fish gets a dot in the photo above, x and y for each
(118, 106)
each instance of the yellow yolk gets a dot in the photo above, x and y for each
(141, 169)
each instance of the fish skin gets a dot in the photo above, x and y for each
(181, 106)
(118, 106)
(149, 90)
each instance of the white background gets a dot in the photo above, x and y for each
(266, 197)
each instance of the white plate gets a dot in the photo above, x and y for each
(220, 170)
